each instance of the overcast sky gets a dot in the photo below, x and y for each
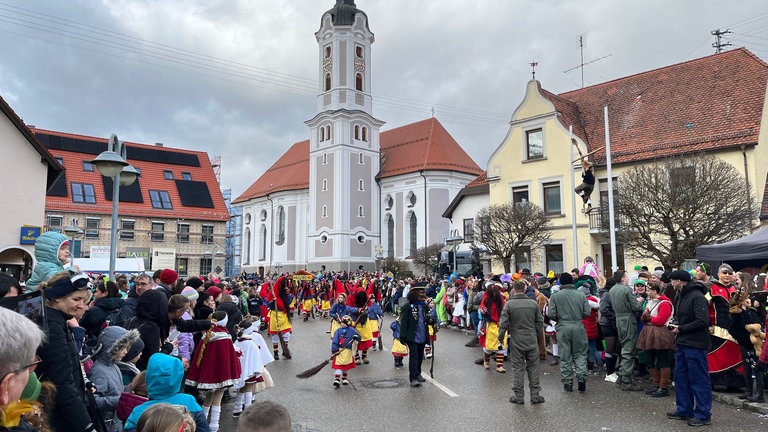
(238, 78)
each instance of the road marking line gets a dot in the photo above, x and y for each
(445, 389)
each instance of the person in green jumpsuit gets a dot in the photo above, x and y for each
(627, 307)
(567, 307)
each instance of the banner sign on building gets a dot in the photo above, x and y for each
(99, 251)
(29, 234)
(163, 258)
(137, 252)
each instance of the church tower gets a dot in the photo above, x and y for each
(344, 208)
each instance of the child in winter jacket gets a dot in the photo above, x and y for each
(105, 375)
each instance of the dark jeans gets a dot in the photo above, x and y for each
(415, 358)
(693, 389)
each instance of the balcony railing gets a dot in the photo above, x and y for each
(599, 222)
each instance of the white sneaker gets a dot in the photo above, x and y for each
(612, 377)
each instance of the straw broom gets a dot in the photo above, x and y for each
(313, 371)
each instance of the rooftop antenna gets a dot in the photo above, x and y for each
(718, 46)
(533, 68)
(582, 64)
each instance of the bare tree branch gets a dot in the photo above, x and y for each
(427, 257)
(671, 207)
(505, 229)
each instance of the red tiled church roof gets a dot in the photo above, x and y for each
(424, 145)
(290, 172)
(152, 178)
(704, 104)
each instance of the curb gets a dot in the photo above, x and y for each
(732, 400)
(724, 398)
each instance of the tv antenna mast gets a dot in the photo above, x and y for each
(582, 64)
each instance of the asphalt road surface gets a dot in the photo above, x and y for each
(462, 396)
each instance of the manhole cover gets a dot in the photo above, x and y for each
(384, 384)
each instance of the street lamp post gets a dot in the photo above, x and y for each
(113, 163)
(454, 240)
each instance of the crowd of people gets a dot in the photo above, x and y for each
(138, 353)
(134, 353)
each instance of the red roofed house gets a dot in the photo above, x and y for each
(715, 104)
(173, 215)
(29, 170)
(351, 193)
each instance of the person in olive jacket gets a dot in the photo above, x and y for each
(415, 319)
(59, 360)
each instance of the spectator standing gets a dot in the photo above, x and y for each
(656, 340)
(693, 388)
(17, 363)
(59, 360)
(568, 307)
(522, 319)
(626, 307)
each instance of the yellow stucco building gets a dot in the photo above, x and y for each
(716, 105)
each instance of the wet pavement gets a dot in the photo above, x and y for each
(463, 396)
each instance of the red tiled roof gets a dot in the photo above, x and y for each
(290, 172)
(424, 145)
(152, 178)
(477, 186)
(481, 180)
(704, 104)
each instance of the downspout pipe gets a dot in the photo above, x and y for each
(426, 221)
(271, 231)
(746, 184)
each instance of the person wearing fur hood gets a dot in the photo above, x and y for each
(114, 343)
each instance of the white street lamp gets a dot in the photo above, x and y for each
(113, 163)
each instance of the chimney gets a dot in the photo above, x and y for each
(157, 144)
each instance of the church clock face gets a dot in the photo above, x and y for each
(359, 64)
(327, 65)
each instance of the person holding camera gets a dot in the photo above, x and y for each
(693, 388)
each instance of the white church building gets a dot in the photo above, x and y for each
(351, 192)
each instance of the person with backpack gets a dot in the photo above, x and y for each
(107, 302)
(152, 322)
(142, 284)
